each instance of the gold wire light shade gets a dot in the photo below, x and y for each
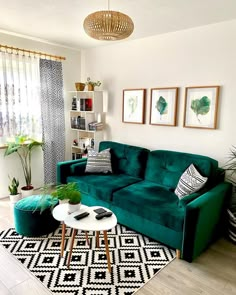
(108, 25)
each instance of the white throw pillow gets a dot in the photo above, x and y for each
(98, 162)
(190, 182)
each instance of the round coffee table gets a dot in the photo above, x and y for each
(60, 213)
(90, 223)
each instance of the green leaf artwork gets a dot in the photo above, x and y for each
(162, 106)
(201, 106)
(133, 103)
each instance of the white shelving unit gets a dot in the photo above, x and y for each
(89, 108)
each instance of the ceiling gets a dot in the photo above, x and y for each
(61, 21)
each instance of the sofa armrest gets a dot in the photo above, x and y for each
(64, 169)
(203, 220)
(187, 199)
(78, 168)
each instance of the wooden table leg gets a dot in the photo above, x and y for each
(71, 246)
(107, 250)
(63, 238)
(87, 239)
(97, 239)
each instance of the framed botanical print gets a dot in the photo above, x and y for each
(134, 106)
(163, 106)
(201, 107)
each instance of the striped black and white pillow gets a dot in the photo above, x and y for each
(98, 162)
(190, 182)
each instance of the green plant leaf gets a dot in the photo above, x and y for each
(69, 191)
(133, 103)
(230, 165)
(23, 146)
(201, 106)
(161, 105)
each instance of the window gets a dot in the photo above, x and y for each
(20, 111)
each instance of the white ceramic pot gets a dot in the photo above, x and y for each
(14, 198)
(73, 207)
(27, 192)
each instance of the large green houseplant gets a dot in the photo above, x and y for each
(23, 147)
(230, 165)
(230, 168)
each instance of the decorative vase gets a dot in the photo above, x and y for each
(73, 207)
(74, 103)
(79, 86)
(27, 191)
(90, 87)
(14, 198)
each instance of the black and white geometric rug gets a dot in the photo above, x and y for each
(134, 258)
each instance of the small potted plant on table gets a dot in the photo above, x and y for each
(13, 189)
(68, 192)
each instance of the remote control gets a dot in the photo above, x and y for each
(99, 210)
(81, 215)
(106, 214)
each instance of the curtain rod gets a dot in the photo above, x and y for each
(12, 49)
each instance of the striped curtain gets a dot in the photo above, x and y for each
(53, 120)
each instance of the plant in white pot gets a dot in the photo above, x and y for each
(23, 146)
(69, 192)
(13, 189)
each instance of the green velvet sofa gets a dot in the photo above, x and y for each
(140, 191)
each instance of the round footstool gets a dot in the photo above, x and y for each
(33, 217)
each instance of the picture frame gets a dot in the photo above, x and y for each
(201, 107)
(133, 109)
(163, 106)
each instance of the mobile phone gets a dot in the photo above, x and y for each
(99, 210)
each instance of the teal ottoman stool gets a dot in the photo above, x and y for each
(33, 217)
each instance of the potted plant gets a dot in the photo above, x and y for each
(23, 146)
(68, 192)
(13, 189)
(92, 84)
(230, 167)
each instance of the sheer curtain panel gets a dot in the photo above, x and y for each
(53, 117)
(20, 111)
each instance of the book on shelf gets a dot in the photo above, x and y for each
(86, 104)
(95, 126)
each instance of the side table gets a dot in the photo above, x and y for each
(60, 213)
(90, 223)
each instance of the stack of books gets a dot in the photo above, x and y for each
(95, 126)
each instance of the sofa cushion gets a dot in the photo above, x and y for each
(190, 182)
(102, 186)
(98, 162)
(152, 202)
(166, 167)
(127, 159)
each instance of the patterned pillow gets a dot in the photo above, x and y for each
(98, 162)
(190, 182)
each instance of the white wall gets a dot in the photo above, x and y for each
(200, 56)
(195, 57)
(71, 73)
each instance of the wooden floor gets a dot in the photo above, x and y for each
(214, 272)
